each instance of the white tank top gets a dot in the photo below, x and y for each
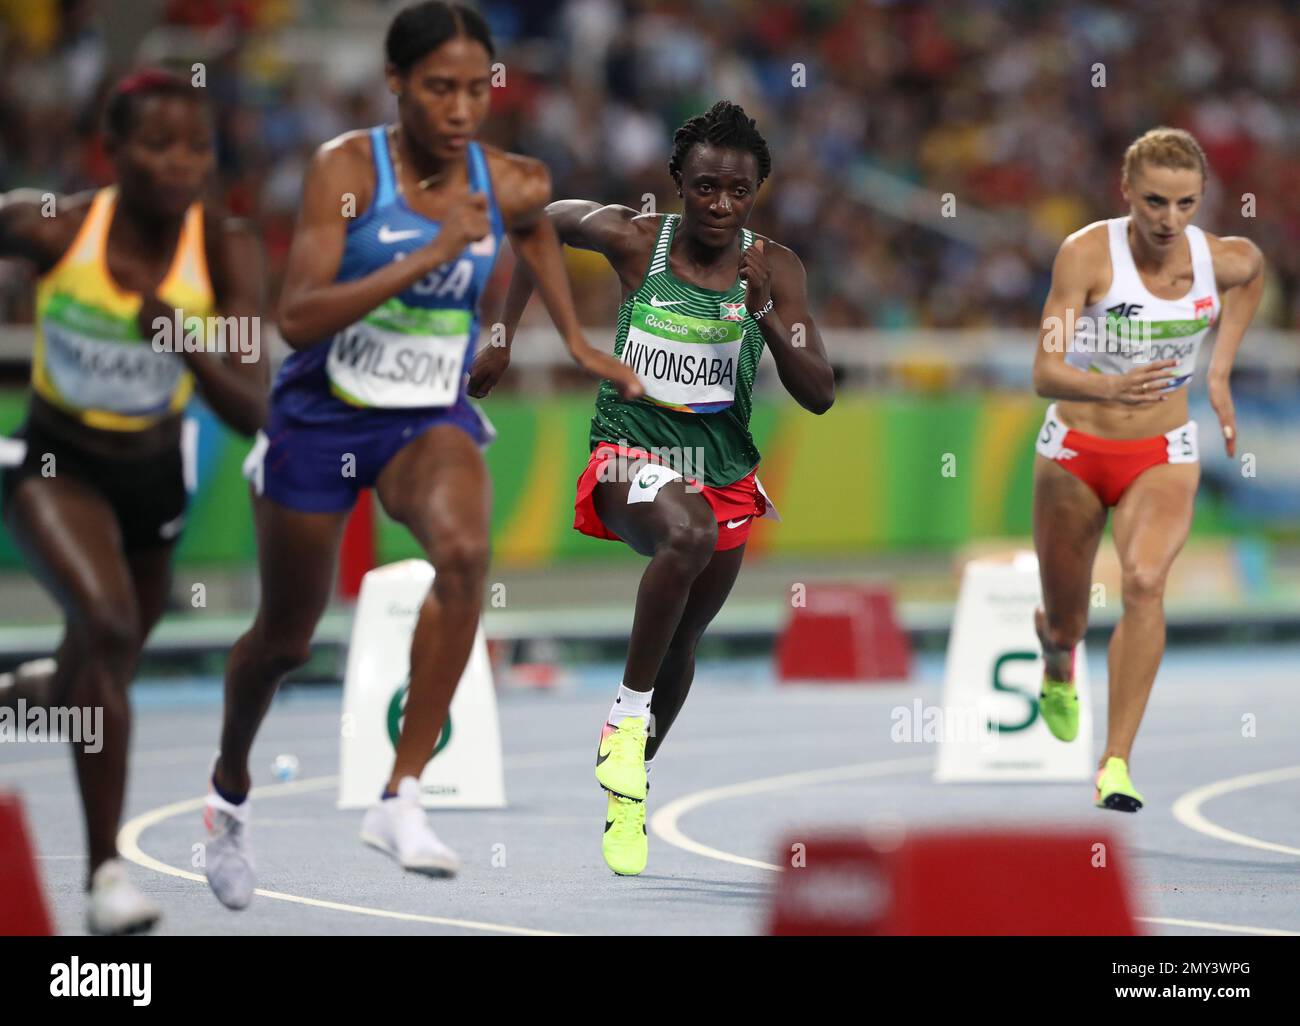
(1131, 326)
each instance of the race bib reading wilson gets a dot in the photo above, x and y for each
(400, 356)
(686, 363)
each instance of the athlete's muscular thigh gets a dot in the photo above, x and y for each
(1154, 517)
(70, 539)
(1068, 524)
(646, 525)
(437, 485)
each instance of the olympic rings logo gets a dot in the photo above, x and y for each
(714, 334)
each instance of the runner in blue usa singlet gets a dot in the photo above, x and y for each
(399, 228)
(402, 368)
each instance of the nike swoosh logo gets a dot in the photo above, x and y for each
(656, 301)
(737, 523)
(387, 236)
(608, 823)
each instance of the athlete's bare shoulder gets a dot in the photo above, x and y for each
(609, 228)
(40, 226)
(1237, 260)
(522, 185)
(624, 231)
(339, 177)
(74, 206)
(781, 257)
(225, 233)
(1083, 261)
(644, 228)
(615, 216)
(345, 159)
(218, 220)
(351, 150)
(1089, 241)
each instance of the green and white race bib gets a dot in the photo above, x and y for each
(100, 362)
(400, 357)
(686, 363)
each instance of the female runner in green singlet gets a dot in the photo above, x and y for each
(674, 474)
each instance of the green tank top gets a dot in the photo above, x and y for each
(696, 351)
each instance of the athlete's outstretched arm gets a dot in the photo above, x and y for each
(582, 224)
(777, 288)
(604, 228)
(536, 243)
(27, 231)
(1072, 274)
(312, 305)
(234, 383)
(1239, 271)
(490, 362)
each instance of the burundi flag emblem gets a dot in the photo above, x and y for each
(731, 311)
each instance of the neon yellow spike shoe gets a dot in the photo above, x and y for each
(625, 846)
(1114, 789)
(1059, 703)
(620, 759)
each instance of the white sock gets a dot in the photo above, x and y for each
(648, 764)
(630, 703)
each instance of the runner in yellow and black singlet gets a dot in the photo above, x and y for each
(96, 500)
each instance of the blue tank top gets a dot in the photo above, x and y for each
(413, 351)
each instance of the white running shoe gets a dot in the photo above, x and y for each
(37, 670)
(228, 856)
(116, 907)
(399, 827)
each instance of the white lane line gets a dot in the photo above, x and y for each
(149, 757)
(128, 843)
(1187, 809)
(169, 756)
(152, 757)
(1198, 924)
(665, 822)
(42, 767)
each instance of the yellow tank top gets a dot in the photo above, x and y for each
(90, 358)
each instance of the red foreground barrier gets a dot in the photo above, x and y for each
(843, 632)
(955, 883)
(22, 902)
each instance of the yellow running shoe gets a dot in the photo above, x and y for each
(620, 759)
(1114, 789)
(1059, 703)
(625, 845)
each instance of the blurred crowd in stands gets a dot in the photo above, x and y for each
(1021, 110)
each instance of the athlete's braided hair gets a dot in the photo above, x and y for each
(724, 124)
(420, 29)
